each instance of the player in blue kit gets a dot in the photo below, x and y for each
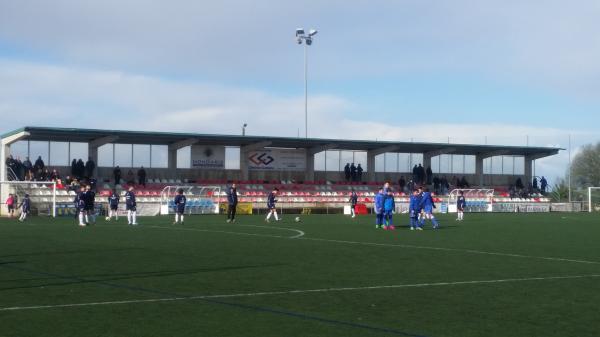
(179, 201)
(113, 205)
(428, 205)
(378, 205)
(89, 203)
(271, 205)
(80, 206)
(414, 209)
(388, 209)
(25, 206)
(460, 206)
(353, 201)
(131, 206)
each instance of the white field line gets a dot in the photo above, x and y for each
(300, 291)
(301, 236)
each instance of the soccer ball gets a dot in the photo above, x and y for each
(297, 219)
(107, 218)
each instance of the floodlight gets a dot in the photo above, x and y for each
(299, 32)
(308, 41)
(299, 40)
(312, 32)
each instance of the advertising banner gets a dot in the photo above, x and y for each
(207, 157)
(277, 159)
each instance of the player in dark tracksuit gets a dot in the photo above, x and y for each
(232, 201)
(353, 201)
(461, 203)
(113, 205)
(179, 201)
(271, 205)
(89, 203)
(25, 207)
(131, 206)
(80, 206)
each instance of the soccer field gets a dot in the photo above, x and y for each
(502, 275)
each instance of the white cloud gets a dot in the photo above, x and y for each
(44, 95)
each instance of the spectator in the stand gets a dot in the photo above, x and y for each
(436, 185)
(421, 174)
(39, 164)
(347, 171)
(80, 169)
(54, 176)
(543, 185)
(130, 178)
(141, 173)
(353, 172)
(359, 172)
(45, 174)
(415, 172)
(519, 184)
(74, 167)
(68, 180)
(89, 167)
(445, 185)
(463, 182)
(535, 183)
(429, 173)
(27, 165)
(19, 169)
(117, 175)
(402, 184)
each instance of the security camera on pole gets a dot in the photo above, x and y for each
(307, 39)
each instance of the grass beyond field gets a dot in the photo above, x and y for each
(504, 275)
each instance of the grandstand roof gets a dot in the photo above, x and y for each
(167, 138)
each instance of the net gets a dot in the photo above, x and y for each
(200, 199)
(42, 195)
(477, 200)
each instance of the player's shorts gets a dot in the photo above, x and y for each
(428, 209)
(114, 207)
(89, 208)
(460, 209)
(271, 207)
(11, 208)
(180, 210)
(131, 208)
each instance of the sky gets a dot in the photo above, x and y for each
(465, 71)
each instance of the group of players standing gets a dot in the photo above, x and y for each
(85, 201)
(420, 208)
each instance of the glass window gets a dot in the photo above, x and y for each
(232, 158)
(80, 151)
(391, 162)
(123, 155)
(360, 157)
(320, 161)
(160, 156)
(141, 155)
(36, 149)
(519, 165)
(19, 150)
(379, 163)
(458, 163)
(469, 165)
(332, 161)
(508, 165)
(59, 154)
(105, 156)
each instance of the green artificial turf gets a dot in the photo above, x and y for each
(342, 277)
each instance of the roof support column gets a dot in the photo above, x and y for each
(93, 149)
(528, 170)
(479, 169)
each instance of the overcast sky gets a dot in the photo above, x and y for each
(475, 71)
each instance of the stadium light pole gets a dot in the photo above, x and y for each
(244, 129)
(302, 37)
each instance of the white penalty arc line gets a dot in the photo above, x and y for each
(301, 236)
(299, 291)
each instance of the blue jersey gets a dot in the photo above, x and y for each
(419, 205)
(130, 200)
(89, 199)
(26, 205)
(113, 201)
(379, 203)
(232, 197)
(461, 202)
(414, 206)
(388, 203)
(271, 200)
(353, 198)
(427, 202)
(180, 201)
(80, 200)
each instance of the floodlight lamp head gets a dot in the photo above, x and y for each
(299, 40)
(245, 125)
(312, 32)
(308, 41)
(299, 32)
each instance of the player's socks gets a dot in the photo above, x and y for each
(435, 223)
(81, 219)
(134, 217)
(181, 218)
(129, 217)
(276, 217)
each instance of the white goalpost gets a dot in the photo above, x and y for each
(42, 194)
(200, 199)
(591, 207)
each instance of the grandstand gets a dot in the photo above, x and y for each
(299, 167)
